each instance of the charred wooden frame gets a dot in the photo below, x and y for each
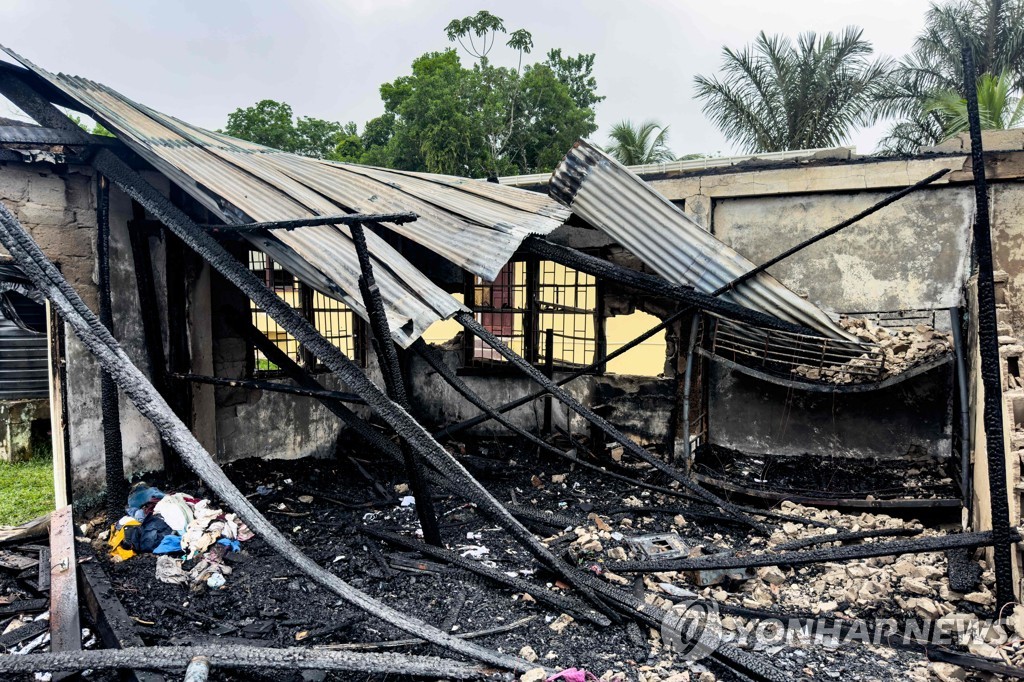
(988, 345)
(117, 487)
(394, 383)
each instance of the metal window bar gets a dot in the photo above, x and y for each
(285, 286)
(567, 303)
(331, 317)
(337, 323)
(781, 353)
(502, 306)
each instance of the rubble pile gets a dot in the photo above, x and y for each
(182, 531)
(901, 348)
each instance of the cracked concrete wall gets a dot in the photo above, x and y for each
(911, 255)
(57, 205)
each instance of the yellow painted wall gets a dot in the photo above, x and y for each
(647, 359)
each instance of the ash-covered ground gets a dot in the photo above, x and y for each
(585, 517)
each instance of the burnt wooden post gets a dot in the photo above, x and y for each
(139, 231)
(549, 372)
(117, 488)
(391, 370)
(988, 345)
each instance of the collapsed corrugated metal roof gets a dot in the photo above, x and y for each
(616, 201)
(474, 224)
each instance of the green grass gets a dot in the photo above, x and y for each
(26, 490)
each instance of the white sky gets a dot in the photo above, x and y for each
(327, 58)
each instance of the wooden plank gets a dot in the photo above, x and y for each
(109, 616)
(23, 606)
(44, 569)
(65, 627)
(22, 634)
(58, 408)
(16, 562)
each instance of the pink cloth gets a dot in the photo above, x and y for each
(573, 675)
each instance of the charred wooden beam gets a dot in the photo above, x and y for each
(387, 358)
(28, 134)
(117, 487)
(398, 643)
(236, 657)
(139, 232)
(573, 607)
(112, 623)
(272, 386)
(972, 662)
(847, 536)
(340, 219)
(988, 347)
(814, 556)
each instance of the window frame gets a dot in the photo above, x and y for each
(308, 310)
(531, 318)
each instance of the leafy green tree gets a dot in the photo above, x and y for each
(350, 145)
(775, 95)
(484, 119)
(637, 144)
(995, 31)
(577, 74)
(272, 124)
(997, 108)
(267, 122)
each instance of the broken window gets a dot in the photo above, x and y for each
(332, 318)
(526, 300)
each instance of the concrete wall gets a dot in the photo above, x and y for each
(910, 419)
(58, 208)
(913, 254)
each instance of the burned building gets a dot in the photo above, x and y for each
(693, 329)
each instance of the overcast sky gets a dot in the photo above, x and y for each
(201, 60)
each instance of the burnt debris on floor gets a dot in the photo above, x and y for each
(799, 495)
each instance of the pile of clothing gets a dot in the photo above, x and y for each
(180, 530)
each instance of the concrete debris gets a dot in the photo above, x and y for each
(561, 623)
(528, 654)
(535, 675)
(901, 348)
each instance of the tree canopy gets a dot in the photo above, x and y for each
(273, 124)
(775, 95)
(447, 117)
(636, 144)
(934, 69)
(483, 119)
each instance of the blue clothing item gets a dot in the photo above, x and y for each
(141, 495)
(233, 544)
(171, 544)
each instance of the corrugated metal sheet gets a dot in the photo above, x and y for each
(475, 225)
(616, 201)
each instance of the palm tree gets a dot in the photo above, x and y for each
(995, 31)
(635, 145)
(775, 96)
(997, 109)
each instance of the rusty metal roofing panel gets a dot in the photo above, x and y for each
(475, 225)
(616, 201)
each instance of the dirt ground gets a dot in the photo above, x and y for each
(320, 504)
